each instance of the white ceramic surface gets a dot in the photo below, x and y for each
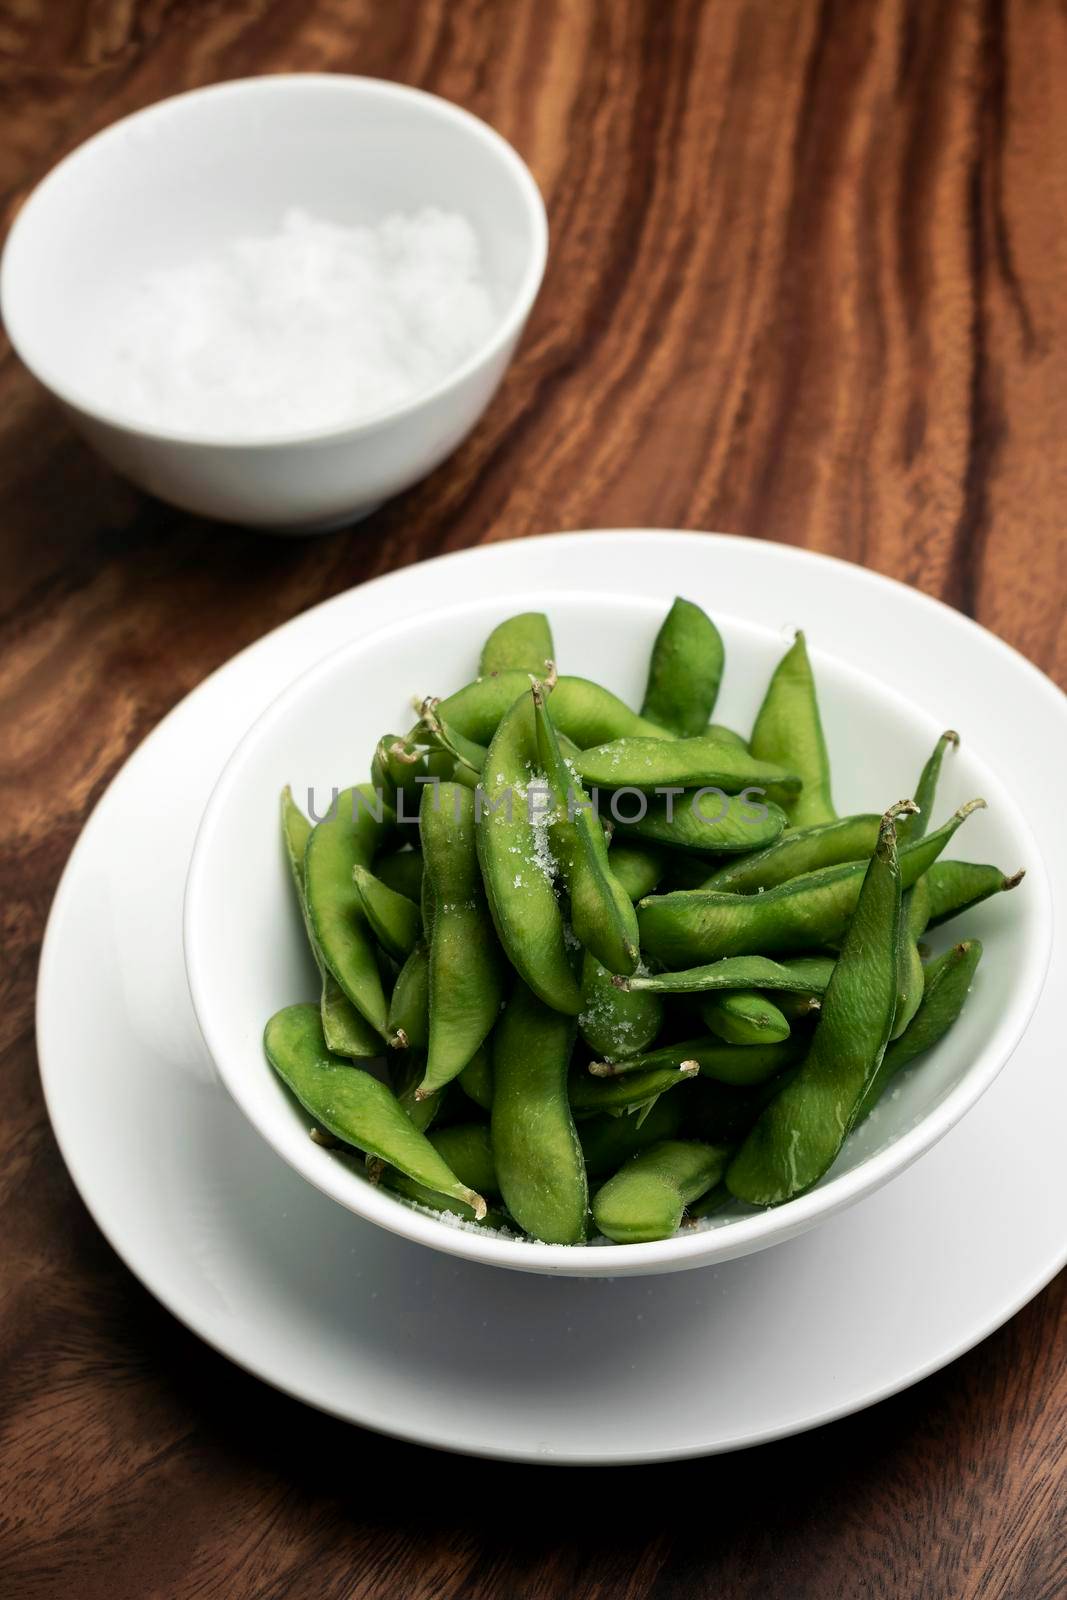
(320, 736)
(227, 161)
(384, 1333)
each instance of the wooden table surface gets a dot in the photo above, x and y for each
(808, 282)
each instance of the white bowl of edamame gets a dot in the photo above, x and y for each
(523, 1037)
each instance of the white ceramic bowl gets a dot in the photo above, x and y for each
(246, 954)
(227, 161)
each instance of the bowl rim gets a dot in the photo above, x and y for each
(698, 1246)
(506, 329)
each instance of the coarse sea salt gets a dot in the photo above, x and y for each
(314, 326)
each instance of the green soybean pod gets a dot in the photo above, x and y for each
(722, 1113)
(347, 1032)
(799, 1135)
(402, 872)
(423, 1110)
(803, 975)
(744, 1017)
(516, 868)
(647, 1197)
(439, 734)
(476, 1079)
(352, 1105)
(740, 1065)
(522, 643)
(404, 1188)
(626, 1090)
(798, 851)
(408, 1023)
(467, 1150)
(638, 867)
(914, 826)
(685, 671)
(585, 712)
(914, 911)
(955, 886)
(539, 1161)
(725, 735)
(699, 925)
(948, 982)
(705, 821)
(466, 967)
(602, 913)
(343, 840)
(699, 763)
(788, 730)
(395, 921)
(615, 1022)
(608, 1141)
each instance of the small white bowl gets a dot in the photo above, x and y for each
(246, 953)
(224, 162)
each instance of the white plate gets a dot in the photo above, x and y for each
(432, 1349)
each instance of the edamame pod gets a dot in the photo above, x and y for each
(585, 712)
(700, 763)
(695, 925)
(703, 820)
(914, 826)
(602, 913)
(914, 911)
(799, 851)
(626, 1090)
(722, 1113)
(608, 1141)
(522, 643)
(685, 671)
(638, 867)
(718, 730)
(467, 1150)
(443, 736)
(402, 872)
(948, 982)
(615, 1022)
(422, 1109)
(353, 1106)
(416, 1194)
(539, 1161)
(517, 867)
(466, 969)
(804, 975)
(476, 1079)
(740, 1065)
(788, 731)
(408, 1025)
(346, 839)
(799, 1135)
(955, 886)
(347, 1032)
(394, 920)
(646, 1198)
(744, 1017)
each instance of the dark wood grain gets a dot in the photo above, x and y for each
(807, 282)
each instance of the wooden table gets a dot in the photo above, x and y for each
(808, 282)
